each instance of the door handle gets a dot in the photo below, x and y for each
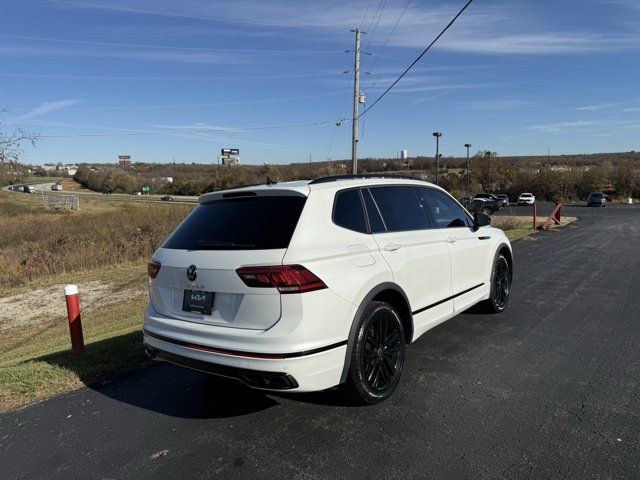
(391, 247)
(452, 239)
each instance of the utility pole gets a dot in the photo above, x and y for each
(468, 145)
(356, 100)
(487, 154)
(437, 135)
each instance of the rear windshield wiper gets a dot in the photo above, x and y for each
(213, 245)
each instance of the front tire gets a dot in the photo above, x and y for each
(378, 355)
(500, 286)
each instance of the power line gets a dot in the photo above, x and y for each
(371, 32)
(164, 47)
(377, 56)
(422, 54)
(365, 14)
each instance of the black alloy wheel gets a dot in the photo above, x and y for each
(378, 355)
(501, 283)
(500, 286)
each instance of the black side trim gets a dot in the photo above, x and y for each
(446, 299)
(484, 238)
(238, 353)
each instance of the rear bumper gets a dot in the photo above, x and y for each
(252, 378)
(304, 371)
(308, 343)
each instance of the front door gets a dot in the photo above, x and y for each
(470, 250)
(417, 253)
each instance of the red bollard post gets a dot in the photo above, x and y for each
(75, 325)
(535, 216)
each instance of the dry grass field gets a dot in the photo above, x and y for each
(103, 248)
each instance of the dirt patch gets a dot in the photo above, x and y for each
(41, 306)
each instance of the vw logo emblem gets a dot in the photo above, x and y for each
(192, 273)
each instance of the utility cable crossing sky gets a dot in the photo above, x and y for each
(422, 54)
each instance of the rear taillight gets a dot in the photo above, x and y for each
(286, 278)
(153, 268)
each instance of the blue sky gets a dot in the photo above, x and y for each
(514, 76)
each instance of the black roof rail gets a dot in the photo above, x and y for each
(335, 178)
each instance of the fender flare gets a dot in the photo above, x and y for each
(356, 320)
(495, 259)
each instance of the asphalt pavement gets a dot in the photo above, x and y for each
(548, 389)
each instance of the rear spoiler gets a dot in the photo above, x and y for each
(260, 191)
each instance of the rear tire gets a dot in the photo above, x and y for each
(500, 286)
(377, 357)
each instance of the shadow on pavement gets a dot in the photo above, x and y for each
(159, 387)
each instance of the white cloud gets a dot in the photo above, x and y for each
(560, 127)
(107, 52)
(48, 107)
(594, 108)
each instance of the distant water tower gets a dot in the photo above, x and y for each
(404, 154)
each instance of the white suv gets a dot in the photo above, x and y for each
(308, 285)
(526, 199)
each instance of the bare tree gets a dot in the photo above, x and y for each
(11, 141)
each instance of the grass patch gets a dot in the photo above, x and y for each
(37, 362)
(517, 226)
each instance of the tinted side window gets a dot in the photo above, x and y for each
(445, 212)
(347, 211)
(375, 221)
(400, 208)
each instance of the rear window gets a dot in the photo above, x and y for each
(254, 223)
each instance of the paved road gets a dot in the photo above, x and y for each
(46, 187)
(549, 389)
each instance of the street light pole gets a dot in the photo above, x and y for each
(437, 135)
(468, 145)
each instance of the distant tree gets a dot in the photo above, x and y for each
(12, 140)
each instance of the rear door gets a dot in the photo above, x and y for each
(416, 252)
(216, 238)
(470, 250)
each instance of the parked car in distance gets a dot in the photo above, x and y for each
(167, 198)
(490, 202)
(308, 285)
(56, 187)
(526, 199)
(505, 199)
(597, 199)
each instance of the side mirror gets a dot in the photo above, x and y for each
(480, 220)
